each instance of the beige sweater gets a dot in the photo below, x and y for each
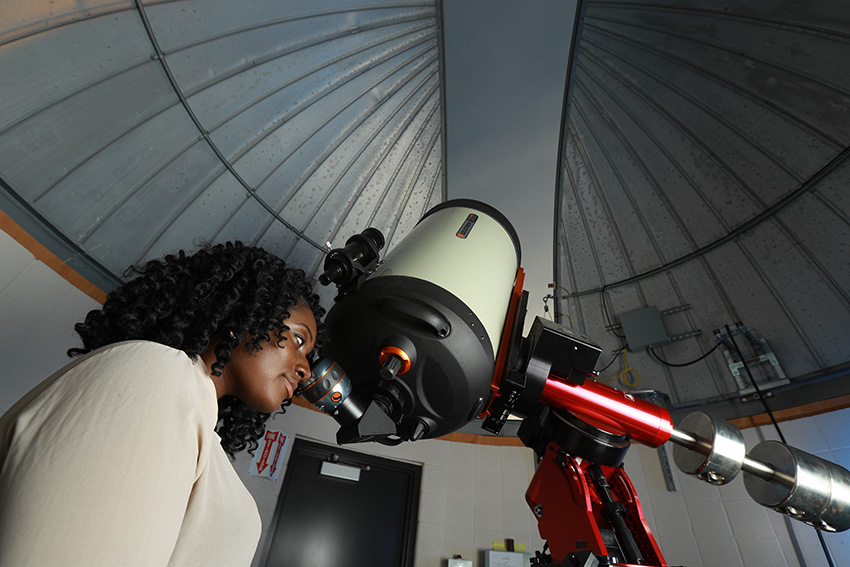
(114, 461)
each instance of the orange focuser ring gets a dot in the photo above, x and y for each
(391, 350)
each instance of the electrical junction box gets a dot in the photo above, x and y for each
(460, 563)
(643, 327)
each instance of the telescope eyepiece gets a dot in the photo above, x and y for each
(334, 271)
(357, 258)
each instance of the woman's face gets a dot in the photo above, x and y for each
(263, 379)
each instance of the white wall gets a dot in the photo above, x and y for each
(471, 495)
(38, 310)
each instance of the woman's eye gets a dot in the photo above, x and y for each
(299, 340)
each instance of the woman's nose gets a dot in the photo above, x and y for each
(302, 368)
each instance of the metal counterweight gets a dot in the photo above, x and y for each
(793, 482)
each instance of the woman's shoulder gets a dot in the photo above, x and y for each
(132, 381)
(144, 368)
(143, 356)
(138, 356)
(137, 348)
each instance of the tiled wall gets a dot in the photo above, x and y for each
(700, 525)
(471, 495)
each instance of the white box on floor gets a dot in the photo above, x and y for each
(506, 559)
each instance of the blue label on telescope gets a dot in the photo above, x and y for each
(467, 225)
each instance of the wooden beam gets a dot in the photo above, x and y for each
(806, 410)
(44, 255)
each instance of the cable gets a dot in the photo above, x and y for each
(825, 548)
(775, 425)
(546, 313)
(616, 354)
(755, 386)
(569, 305)
(622, 374)
(607, 316)
(626, 369)
(662, 361)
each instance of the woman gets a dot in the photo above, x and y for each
(121, 457)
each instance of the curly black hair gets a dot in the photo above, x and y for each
(187, 302)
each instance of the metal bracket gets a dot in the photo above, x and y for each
(687, 335)
(678, 309)
(762, 355)
(666, 470)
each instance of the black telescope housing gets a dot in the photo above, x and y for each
(414, 350)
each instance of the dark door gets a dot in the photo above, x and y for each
(324, 518)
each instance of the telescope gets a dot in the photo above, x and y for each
(430, 339)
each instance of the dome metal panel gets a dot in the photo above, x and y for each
(704, 163)
(703, 160)
(151, 126)
(41, 149)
